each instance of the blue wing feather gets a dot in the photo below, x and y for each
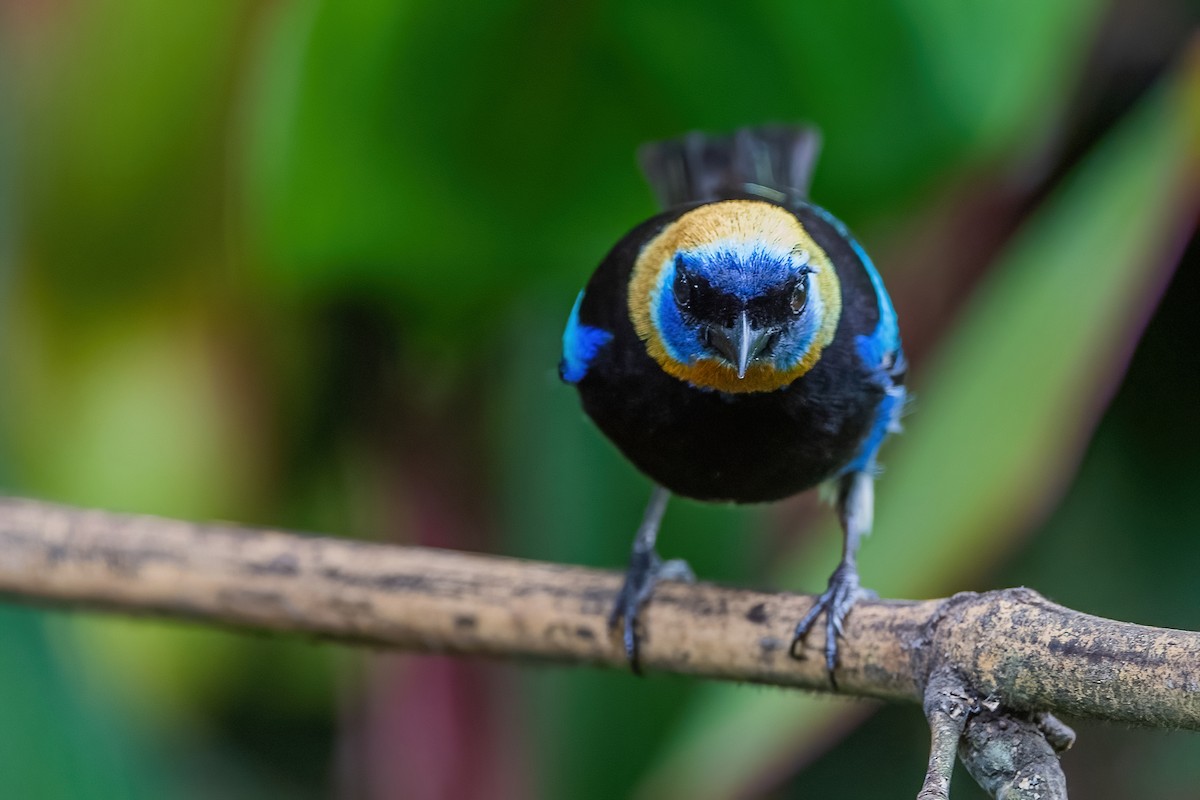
(881, 353)
(581, 343)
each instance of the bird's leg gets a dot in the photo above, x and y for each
(855, 505)
(646, 568)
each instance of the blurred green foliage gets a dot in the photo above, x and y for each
(305, 263)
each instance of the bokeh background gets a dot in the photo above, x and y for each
(305, 264)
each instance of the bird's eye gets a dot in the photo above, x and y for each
(799, 296)
(683, 287)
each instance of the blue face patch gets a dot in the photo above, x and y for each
(581, 343)
(745, 272)
(682, 340)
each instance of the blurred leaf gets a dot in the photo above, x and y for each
(992, 110)
(164, 672)
(119, 145)
(415, 150)
(138, 416)
(58, 741)
(1001, 415)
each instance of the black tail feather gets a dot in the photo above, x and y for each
(774, 162)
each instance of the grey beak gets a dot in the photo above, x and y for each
(739, 343)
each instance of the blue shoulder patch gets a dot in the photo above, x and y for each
(885, 339)
(876, 348)
(581, 343)
(880, 352)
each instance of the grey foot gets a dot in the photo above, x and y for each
(835, 604)
(646, 569)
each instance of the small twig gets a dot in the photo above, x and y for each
(1058, 734)
(1010, 757)
(948, 706)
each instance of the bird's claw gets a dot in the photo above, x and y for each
(835, 604)
(646, 569)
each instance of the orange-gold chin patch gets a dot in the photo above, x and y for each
(712, 374)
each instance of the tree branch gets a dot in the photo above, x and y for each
(1010, 652)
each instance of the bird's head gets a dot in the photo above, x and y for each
(735, 296)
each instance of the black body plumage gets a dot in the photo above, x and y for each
(710, 445)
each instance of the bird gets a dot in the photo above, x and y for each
(739, 346)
